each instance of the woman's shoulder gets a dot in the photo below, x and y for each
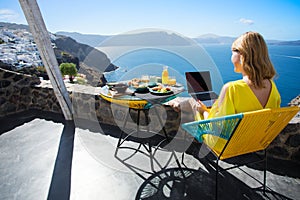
(239, 82)
(231, 86)
(235, 83)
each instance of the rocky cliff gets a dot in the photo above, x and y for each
(88, 55)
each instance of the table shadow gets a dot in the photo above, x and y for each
(192, 185)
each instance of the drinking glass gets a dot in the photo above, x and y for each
(172, 80)
(145, 78)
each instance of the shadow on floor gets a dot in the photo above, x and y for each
(15, 120)
(183, 183)
(274, 165)
(60, 186)
(192, 185)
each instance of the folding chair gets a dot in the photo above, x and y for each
(238, 134)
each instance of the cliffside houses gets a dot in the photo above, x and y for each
(18, 48)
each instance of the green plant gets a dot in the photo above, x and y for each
(68, 69)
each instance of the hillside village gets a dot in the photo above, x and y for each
(18, 52)
(18, 48)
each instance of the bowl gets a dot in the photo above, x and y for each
(152, 84)
(142, 89)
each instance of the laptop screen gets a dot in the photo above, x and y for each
(198, 81)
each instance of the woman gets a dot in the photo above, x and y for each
(256, 90)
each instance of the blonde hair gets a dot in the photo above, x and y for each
(254, 57)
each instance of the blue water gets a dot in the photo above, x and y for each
(215, 58)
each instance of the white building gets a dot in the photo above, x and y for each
(19, 48)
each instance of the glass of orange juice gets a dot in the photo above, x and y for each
(172, 80)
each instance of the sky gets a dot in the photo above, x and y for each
(274, 19)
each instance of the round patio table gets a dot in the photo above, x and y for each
(136, 100)
(141, 102)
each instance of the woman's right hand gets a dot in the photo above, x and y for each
(202, 109)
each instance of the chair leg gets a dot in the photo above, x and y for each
(217, 174)
(265, 172)
(182, 156)
(122, 132)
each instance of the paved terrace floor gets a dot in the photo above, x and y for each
(43, 157)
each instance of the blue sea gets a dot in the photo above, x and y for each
(215, 58)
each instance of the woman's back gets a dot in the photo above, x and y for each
(239, 97)
(262, 94)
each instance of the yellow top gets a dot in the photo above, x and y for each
(239, 98)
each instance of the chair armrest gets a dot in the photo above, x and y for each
(219, 126)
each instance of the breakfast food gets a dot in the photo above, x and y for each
(135, 82)
(161, 89)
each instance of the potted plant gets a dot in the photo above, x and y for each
(68, 69)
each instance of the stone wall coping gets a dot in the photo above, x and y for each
(71, 87)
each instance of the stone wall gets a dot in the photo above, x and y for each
(287, 144)
(20, 92)
(16, 92)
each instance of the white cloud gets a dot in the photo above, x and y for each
(8, 15)
(246, 21)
